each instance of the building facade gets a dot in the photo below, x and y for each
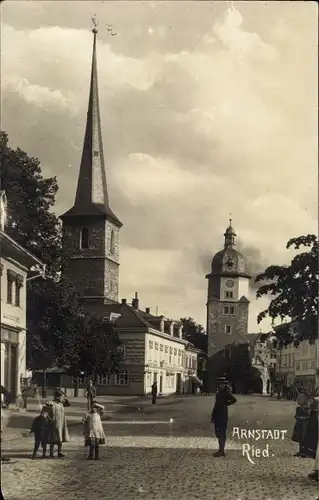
(15, 264)
(299, 366)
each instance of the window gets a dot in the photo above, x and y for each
(11, 277)
(228, 329)
(166, 349)
(226, 308)
(156, 346)
(170, 359)
(121, 378)
(231, 310)
(112, 242)
(229, 295)
(84, 238)
(121, 349)
(104, 379)
(175, 352)
(313, 364)
(96, 153)
(151, 344)
(148, 379)
(161, 347)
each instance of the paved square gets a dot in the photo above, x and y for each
(153, 459)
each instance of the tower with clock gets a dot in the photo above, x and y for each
(227, 299)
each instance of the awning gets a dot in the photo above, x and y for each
(196, 379)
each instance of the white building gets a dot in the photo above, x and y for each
(15, 263)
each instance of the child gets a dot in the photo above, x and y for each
(93, 430)
(40, 429)
(300, 428)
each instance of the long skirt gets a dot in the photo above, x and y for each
(92, 441)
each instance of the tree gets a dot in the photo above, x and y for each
(31, 198)
(295, 292)
(194, 333)
(97, 347)
(58, 331)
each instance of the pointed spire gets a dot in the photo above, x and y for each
(230, 235)
(92, 194)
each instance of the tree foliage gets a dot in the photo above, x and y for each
(294, 289)
(58, 331)
(194, 333)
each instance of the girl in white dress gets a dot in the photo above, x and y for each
(93, 430)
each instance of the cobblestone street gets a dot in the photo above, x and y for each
(146, 457)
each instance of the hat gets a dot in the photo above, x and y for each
(222, 380)
(58, 393)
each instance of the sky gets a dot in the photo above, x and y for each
(208, 108)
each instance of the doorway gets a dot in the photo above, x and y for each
(178, 383)
(161, 385)
(13, 369)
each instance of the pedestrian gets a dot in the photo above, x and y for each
(90, 394)
(40, 429)
(154, 393)
(311, 438)
(300, 427)
(219, 417)
(93, 430)
(58, 430)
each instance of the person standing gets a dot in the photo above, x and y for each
(93, 430)
(300, 428)
(90, 394)
(154, 393)
(219, 417)
(58, 430)
(40, 428)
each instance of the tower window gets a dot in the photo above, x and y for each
(229, 295)
(228, 329)
(112, 242)
(84, 238)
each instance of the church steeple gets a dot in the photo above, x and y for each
(92, 193)
(230, 236)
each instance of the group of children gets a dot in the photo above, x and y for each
(93, 431)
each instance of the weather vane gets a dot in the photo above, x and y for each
(95, 24)
(230, 219)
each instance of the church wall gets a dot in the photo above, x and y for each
(71, 235)
(225, 289)
(214, 287)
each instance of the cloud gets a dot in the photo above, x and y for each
(205, 111)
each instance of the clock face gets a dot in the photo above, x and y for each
(230, 283)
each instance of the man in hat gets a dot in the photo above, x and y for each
(154, 392)
(58, 430)
(219, 417)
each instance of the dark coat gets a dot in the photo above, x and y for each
(224, 398)
(91, 392)
(311, 438)
(40, 426)
(154, 389)
(300, 428)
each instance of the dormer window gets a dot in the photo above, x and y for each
(229, 262)
(84, 238)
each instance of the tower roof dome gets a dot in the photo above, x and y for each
(229, 262)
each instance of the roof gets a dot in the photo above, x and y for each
(229, 262)
(10, 248)
(92, 195)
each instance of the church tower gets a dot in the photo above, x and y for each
(227, 302)
(90, 228)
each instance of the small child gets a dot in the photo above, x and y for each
(40, 429)
(93, 430)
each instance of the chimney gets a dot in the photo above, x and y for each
(135, 302)
(148, 310)
(124, 301)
